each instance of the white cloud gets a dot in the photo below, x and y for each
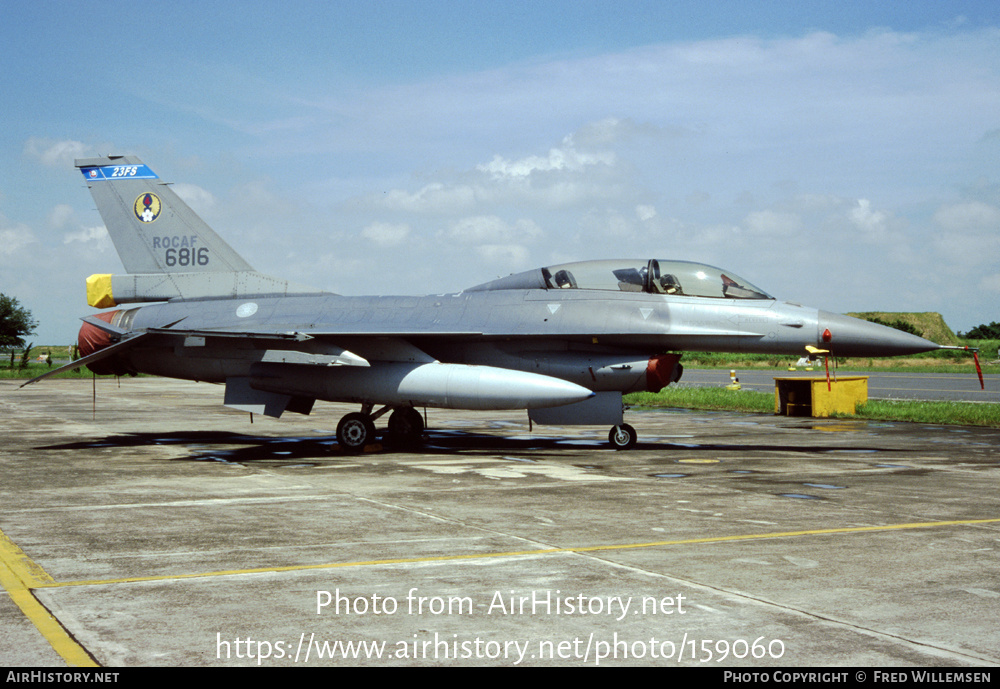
(14, 238)
(567, 177)
(86, 235)
(55, 153)
(564, 158)
(61, 215)
(970, 236)
(386, 234)
(505, 256)
(971, 216)
(436, 198)
(645, 212)
(199, 199)
(773, 224)
(866, 219)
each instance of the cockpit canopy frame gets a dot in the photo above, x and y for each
(652, 276)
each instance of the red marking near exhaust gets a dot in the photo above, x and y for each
(660, 371)
(91, 338)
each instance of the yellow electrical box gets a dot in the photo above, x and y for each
(812, 396)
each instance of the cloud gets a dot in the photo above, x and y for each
(199, 199)
(386, 234)
(971, 216)
(564, 158)
(14, 237)
(492, 229)
(86, 235)
(565, 177)
(506, 256)
(645, 212)
(970, 235)
(612, 131)
(867, 220)
(436, 198)
(773, 224)
(61, 215)
(53, 153)
(93, 239)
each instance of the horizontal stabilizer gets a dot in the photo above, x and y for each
(100, 324)
(91, 358)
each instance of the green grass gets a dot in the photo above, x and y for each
(952, 413)
(35, 369)
(705, 398)
(749, 401)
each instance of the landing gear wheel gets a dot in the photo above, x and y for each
(355, 431)
(622, 437)
(406, 427)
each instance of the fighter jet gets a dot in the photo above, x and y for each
(564, 342)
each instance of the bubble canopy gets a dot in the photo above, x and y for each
(653, 276)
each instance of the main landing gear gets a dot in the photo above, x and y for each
(357, 429)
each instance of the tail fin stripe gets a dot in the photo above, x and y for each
(113, 172)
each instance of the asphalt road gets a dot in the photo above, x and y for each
(909, 386)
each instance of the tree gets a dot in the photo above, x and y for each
(15, 322)
(984, 332)
(897, 323)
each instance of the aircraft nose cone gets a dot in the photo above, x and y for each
(855, 337)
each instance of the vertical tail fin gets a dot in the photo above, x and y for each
(167, 250)
(153, 230)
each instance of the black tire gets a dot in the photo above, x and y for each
(406, 427)
(355, 431)
(622, 437)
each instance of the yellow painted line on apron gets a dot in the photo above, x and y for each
(521, 553)
(19, 575)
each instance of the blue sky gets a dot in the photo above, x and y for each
(845, 155)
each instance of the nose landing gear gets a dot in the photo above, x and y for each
(622, 437)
